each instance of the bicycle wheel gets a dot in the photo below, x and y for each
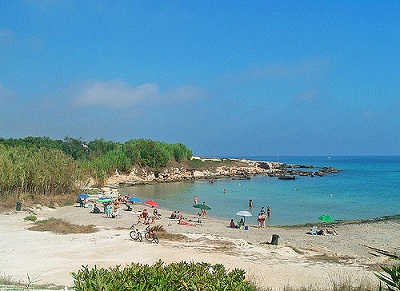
(155, 238)
(148, 237)
(134, 235)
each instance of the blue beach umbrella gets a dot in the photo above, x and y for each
(134, 200)
(83, 196)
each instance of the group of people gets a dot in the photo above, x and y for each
(240, 224)
(262, 216)
(111, 209)
(145, 217)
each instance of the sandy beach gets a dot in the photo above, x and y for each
(300, 259)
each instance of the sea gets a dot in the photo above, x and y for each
(367, 187)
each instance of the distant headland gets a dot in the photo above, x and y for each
(203, 168)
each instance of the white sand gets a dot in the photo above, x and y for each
(49, 258)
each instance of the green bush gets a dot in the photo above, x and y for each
(175, 276)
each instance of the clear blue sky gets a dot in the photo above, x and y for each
(223, 77)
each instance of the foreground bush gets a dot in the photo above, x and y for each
(175, 276)
(391, 278)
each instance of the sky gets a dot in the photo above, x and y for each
(226, 78)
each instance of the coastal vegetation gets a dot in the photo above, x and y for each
(61, 226)
(160, 276)
(40, 166)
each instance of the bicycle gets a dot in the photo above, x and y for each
(151, 235)
(135, 234)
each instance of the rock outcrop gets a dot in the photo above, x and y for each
(238, 169)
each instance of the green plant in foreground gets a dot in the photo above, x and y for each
(30, 218)
(391, 278)
(175, 276)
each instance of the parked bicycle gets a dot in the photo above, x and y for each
(151, 235)
(135, 234)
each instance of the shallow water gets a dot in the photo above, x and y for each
(367, 187)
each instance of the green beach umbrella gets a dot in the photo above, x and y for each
(103, 200)
(326, 218)
(202, 206)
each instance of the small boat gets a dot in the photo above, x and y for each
(287, 177)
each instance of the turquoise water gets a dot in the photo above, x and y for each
(367, 187)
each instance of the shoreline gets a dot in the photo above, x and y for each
(211, 241)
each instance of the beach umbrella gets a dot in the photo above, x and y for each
(134, 200)
(326, 218)
(244, 214)
(151, 203)
(202, 206)
(83, 196)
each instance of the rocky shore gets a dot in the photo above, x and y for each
(237, 169)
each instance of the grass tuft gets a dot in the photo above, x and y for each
(61, 226)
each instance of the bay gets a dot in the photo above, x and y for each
(367, 187)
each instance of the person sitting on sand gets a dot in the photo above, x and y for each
(179, 215)
(156, 214)
(232, 224)
(144, 213)
(128, 207)
(95, 209)
(241, 223)
(331, 231)
(173, 215)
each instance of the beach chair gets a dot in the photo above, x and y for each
(314, 230)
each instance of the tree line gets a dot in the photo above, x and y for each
(42, 165)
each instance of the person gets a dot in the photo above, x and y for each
(183, 222)
(259, 220)
(179, 215)
(128, 207)
(203, 211)
(156, 214)
(85, 203)
(269, 211)
(250, 203)
(95, 209)
(108, 210)
(173, 215)
(139, 221)
(195, 200)
(232, 224)
(263, 218)
(81, 205)
(144, 213)
(115, 212)
(241, 223)
(262, 210)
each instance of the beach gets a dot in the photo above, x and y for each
(299, 259)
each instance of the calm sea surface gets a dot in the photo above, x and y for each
(367, 187)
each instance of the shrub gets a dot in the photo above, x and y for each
(30, 218)
(175, 276)
(391, 278)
